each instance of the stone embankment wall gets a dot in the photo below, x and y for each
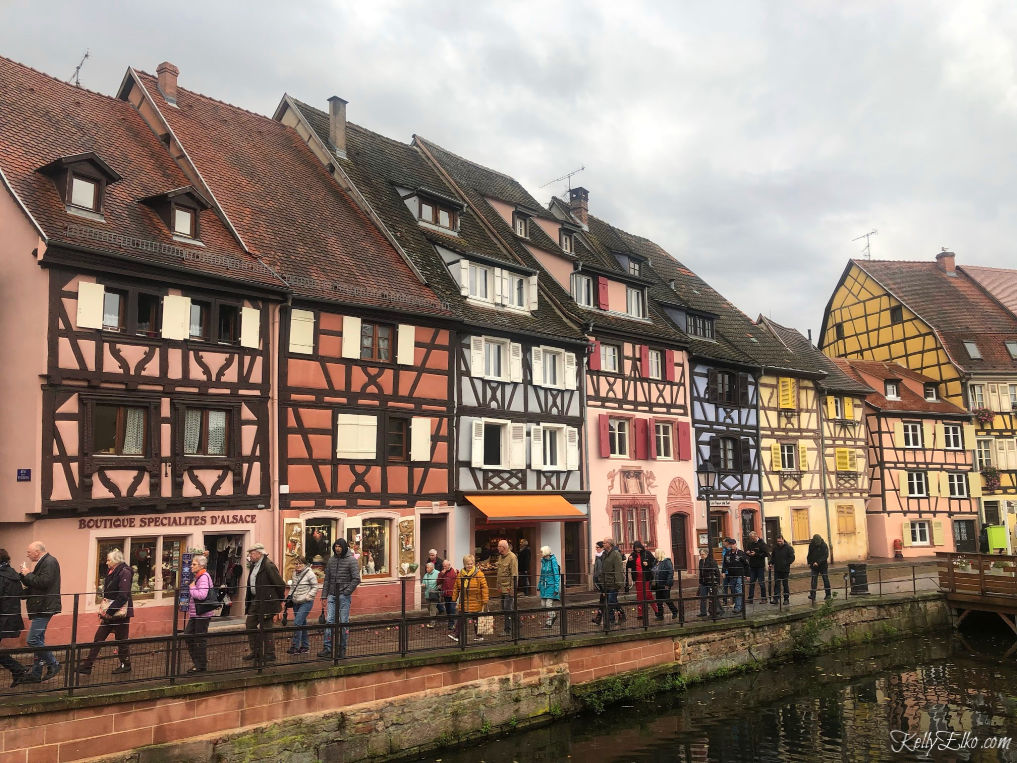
(399, 708)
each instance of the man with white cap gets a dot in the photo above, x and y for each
(265, 594)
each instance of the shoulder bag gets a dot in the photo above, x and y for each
(485, 625)
(119, 616)
(210, 604)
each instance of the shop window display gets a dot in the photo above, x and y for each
(319, 535)
(153, 579)
(375, 541)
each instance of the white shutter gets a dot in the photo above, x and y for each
(176, 317)
(477, 357)
(420, 438)
(536, 447)
(974, 485)
(464, 277)
(517, 446)
(356, 436)
(898, 434)
(571, 448)
(351, 337)
(477, 451)
(1007, 450)
(944, 484)
(497, 290)
(571, 375)
(994, 401)
(506, 287)
(929, 434)
(301, 331)
(515, 362)
(250, 327)
(537, 365)
(90, 302)
(933, 483)
(532, 292)
(406, 337)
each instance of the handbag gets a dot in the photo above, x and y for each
(104, 608)
(485, 625)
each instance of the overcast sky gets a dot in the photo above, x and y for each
(752, 140)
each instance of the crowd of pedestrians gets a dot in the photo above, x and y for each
(454, 598)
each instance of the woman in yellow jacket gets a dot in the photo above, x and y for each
(471, 593)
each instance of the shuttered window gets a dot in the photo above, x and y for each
(800, 526)
(846, 519)
(786, 393)
(356, 436)
(847, 460)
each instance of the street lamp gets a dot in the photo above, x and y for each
(706, 475)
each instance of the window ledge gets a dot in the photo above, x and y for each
(438, 228)
(187, 240)
(87, 214)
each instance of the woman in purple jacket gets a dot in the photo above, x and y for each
(197, 622)
(115, 616)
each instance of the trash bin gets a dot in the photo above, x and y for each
(859, 575)
(996, 535)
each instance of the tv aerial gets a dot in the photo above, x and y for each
(76, 76)
(867, 251)
(567, 176)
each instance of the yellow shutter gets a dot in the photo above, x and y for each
(775, 457)
(938, 538)
(852, 460)
(849, 409)
(800, 524)
(929, 434)
(940, 435)
(843, 464)
(905, 533)
(803, 455)
(932, 484)
(831, 407)
(969, 437)
(898, 434)
(786, 393)
(974, 485)
(902, 483)
(944, 484)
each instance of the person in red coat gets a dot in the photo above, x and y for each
(639, 568)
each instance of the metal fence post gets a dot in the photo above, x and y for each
(72, 669)
(404, 633)
(563, 613)
(173, 653)
(879, 572)
(681, 600)
(515, 610)
(914, 581)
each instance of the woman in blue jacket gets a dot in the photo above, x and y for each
(549, 584)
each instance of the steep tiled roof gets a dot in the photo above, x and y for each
(873, 373)
(954, 306)
(835, 380)
(1001, 283)
(378, 166)
(482, 183)
(288, 209)
(43, 119)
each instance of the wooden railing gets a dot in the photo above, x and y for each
(991, 576)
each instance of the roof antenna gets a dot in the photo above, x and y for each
(867, 250)
(77, 71)
(567, 176)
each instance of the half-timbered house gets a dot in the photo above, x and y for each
(515, 363)
(363, 382)
(138, 335)
(813, 443)
(933, 318)
(923, 493)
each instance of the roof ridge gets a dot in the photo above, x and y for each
(470, 161)
(74, 88)
(213, 100)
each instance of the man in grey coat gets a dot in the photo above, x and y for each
(342, 576)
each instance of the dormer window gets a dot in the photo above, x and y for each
(521, 224)
(1011, 347)
(635, 302)
(436, 214)
(635, 268)
(891, 389)
(81, 181)
(699, 325)
(567, 241)
(480, 279)
(931, 393)
(973, 352)
(179, 209)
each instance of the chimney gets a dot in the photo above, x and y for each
(579, 205)
(337, 124)
(168, 81)
(945, 262)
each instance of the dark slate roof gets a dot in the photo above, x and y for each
(43, 119)
(910, 402)
(807, 353)
(377, 165)
(481, 183)
(287, 207)
(956, 308)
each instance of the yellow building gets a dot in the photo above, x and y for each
(935, 318)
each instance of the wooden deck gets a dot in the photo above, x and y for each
(980, 583)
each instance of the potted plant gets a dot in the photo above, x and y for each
(962, 565)
(984, 416)
(991, 476)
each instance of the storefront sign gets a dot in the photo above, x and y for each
(190, 520)
(24, 475)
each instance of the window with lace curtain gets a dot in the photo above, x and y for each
(206, 432)
(118, 430)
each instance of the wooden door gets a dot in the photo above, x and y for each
(679, 541)
(964, 537)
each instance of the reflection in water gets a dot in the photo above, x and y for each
(855, 705)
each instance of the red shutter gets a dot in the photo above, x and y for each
(644, 361)
(602, 292)
(651, 437)
(594, 359)
(684, 441)
(669, 365)
(605, 436)
(639, 438)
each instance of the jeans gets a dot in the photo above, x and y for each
(613, 607)
(707, 595)
(757, 574)
(816, 572)
(448, 606)
(197, 643)
(37, 638)
(16, 668)
(780, 578)
(727, 588)
(508, 604)
(344, 601)
(300, 613)
(121, 632)
(737, 586)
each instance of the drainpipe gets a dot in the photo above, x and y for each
(822, 469)
(585, 481)
(759, 463)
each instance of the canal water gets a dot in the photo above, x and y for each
(946, 697)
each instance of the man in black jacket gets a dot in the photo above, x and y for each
(42, 594)
(757, 552)
(782, 558)
(11, 623)
(265, 593)
(737, 569)
(342, 576)
(818, 558)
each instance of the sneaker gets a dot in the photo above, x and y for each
(304, 650)
(124, 667)
(196, 669)
(454, 637)
(429, 625)
(51, 670)
(249, 657)
(325, 653)
(19, 678)
(85, 670)
(479, 638)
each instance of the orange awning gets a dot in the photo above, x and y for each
(536, 508)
